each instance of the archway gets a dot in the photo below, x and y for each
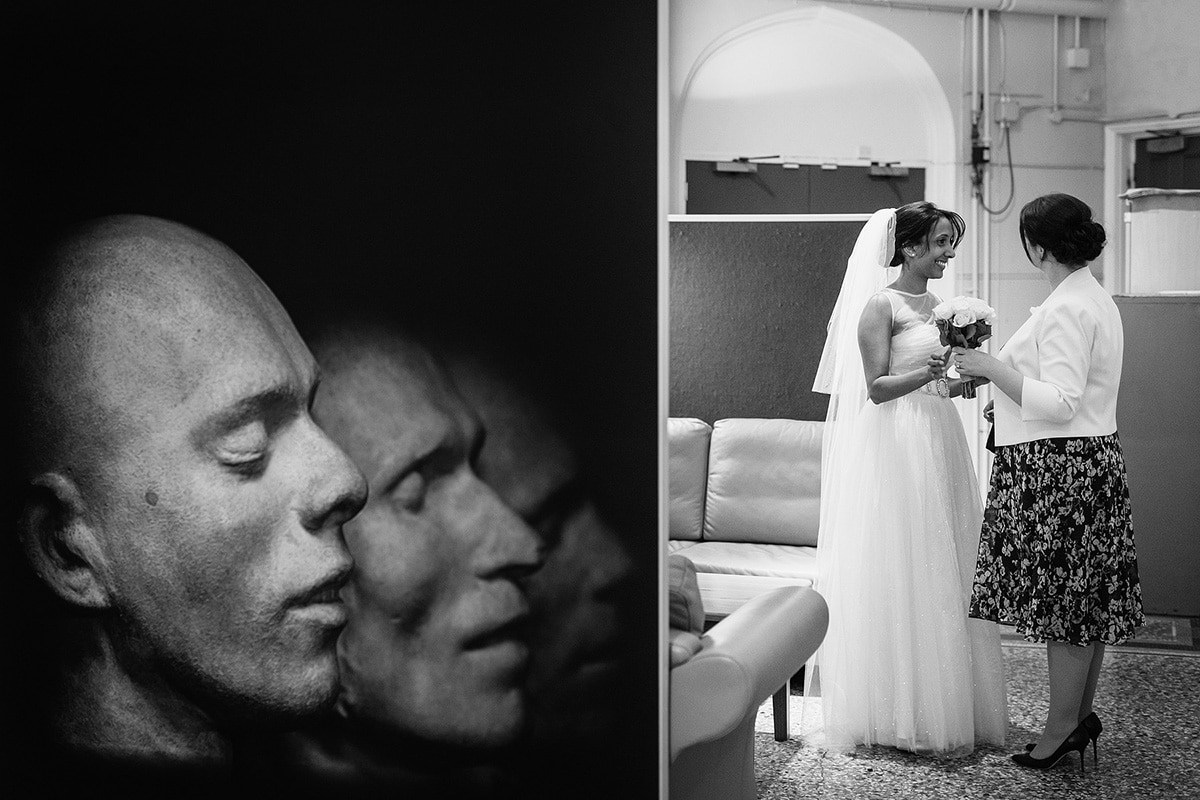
(815, 85)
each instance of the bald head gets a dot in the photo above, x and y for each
(117, 307)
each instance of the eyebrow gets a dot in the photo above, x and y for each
(270, 403)
(425, 448)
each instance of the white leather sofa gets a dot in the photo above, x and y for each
(721, 675)
(745, 499)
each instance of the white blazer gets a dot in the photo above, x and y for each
(1069, 351)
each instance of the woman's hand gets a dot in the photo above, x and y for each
(977, 366)
(937, 364)
(972, 363)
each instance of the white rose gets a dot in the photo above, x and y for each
(962, 318)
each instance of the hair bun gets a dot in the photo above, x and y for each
(1088, 240)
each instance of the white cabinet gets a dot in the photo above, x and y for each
(1162, 241)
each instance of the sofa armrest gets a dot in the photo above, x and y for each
(746, 657)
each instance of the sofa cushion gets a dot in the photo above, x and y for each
(752, 558)
(687, 447)
(764, 481)
(725, 593)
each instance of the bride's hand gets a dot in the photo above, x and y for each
(989, 411)
(937, 364)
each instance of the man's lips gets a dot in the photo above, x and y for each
(322, 603)
(515, 630)
(327, 591)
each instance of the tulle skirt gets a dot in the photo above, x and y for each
(902, 664)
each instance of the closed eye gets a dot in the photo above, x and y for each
(244, 449)
(409, 491)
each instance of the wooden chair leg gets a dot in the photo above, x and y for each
(782, 710)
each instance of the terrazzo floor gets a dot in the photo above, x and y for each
(1148, 699)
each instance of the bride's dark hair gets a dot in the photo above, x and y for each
(914, 222)
(1063, 224)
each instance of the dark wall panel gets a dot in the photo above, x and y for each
(1177, 169)
(770, 189)
(853, 190)
(749, 302)
(1156, 418)
(802, 189)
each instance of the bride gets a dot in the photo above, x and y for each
(902, 664)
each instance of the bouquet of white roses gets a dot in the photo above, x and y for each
(964, 322)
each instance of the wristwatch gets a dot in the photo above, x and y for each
(943, 387)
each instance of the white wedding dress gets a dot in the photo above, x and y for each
(902, 664)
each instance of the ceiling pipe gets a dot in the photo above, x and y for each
(1093, 9)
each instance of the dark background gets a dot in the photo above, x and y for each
(486, 171)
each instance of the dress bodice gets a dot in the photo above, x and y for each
(914, 335)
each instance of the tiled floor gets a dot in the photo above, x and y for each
(1150, 747)
(1159, 634)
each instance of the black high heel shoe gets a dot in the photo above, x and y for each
(1091, 724)
(1077, 740)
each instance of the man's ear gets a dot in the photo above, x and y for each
(60, 541)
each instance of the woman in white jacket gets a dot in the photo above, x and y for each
(1056, 552)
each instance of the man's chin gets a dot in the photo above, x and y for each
(481, 721)
(294, 695)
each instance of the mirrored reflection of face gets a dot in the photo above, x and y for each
(577, 595)
(222, 501)
(436, 642)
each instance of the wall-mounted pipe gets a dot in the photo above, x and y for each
(1095, 9)
(974, 62)
(977, 258)
(985, 187)
(985, 125)
(1054, 70)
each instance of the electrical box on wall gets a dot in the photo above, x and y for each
(1078, 58)
(1008, 110)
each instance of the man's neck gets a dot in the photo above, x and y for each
(102, 709)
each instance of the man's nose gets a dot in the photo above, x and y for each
(336, 489)
(507, 546)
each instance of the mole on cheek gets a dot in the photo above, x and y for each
(151, 497)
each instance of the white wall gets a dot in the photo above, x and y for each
(1153, 58)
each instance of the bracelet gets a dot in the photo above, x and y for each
(943, 387)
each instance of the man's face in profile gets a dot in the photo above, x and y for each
(577, 595)
(219, 498)
(435, 646)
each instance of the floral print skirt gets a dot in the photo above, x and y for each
(1056, 554)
